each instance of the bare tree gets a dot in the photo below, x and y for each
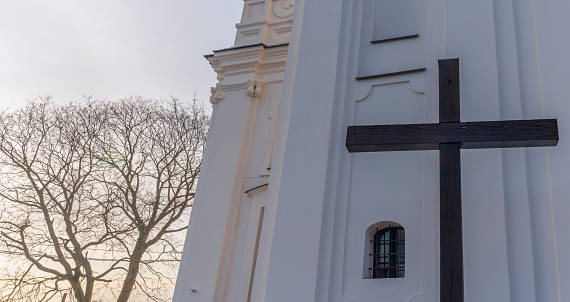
(92, 194)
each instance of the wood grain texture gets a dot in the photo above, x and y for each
(451, 238)
(471, 135)
(449, 102)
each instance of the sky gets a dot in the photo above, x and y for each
(108, 49)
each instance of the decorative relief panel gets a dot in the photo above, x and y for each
(394, 103)
(282, 32)
(249, 34)
(283, 8)
(265, 21)
(255, 10)
(384, 24)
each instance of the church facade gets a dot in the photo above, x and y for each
(283, 210)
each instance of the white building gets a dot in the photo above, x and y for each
(284, 212)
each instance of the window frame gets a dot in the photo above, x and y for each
(385, 257)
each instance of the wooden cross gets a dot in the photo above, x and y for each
(449, 136)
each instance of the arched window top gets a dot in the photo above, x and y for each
(387, 251)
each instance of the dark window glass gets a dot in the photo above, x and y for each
(389, 258)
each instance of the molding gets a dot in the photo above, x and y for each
(232, 87)
(258, 22)
(245, 46)
(256, 190)
(253, 61)
(371, 87)
(395, 39)
(254, 87)
(390, 74)
(244, 85)
(216, 95)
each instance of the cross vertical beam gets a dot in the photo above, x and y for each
(451, 232)
(449, 104)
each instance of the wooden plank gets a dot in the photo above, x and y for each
(473, 135)
(449, 103)
(451, 234)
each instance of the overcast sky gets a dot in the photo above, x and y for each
(111, 48)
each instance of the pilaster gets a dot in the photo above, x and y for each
(216, 264)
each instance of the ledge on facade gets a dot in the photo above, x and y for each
(245, 46)
(390, 74)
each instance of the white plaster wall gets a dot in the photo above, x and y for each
(514, 201)
(321, 199)
(207, 228)
(217, 262)
(294, 262)
(553, 49)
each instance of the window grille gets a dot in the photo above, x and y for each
(388, 257)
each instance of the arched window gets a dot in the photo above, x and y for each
(388, 252)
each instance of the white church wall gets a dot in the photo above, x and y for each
(241, 125)
(551, 21)
(318, 200)
(263, 139)
(377, 24)
(226, 252)
(403, 185)
(517, 212)
(222, 154)
(501, 231)
(388, 187)
(396, 18)
(243, 282)
(299, 213)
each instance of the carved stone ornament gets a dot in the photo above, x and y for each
(254, 87)
(216, 95)
(283, 8)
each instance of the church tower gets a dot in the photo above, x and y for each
(229, 236)
(286, 210)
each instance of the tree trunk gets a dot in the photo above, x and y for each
(133, 272)
(78, 291)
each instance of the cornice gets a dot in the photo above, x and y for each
(257, 45)
(257, 22)
(249, 60)
(252, 87)
(257, 190)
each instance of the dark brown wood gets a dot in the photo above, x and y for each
(449, 104)
(394, 39)
(472, 135)
(390, 74)
(450, 208)
(451, 234)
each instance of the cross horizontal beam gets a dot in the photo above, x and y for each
(471, 135)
